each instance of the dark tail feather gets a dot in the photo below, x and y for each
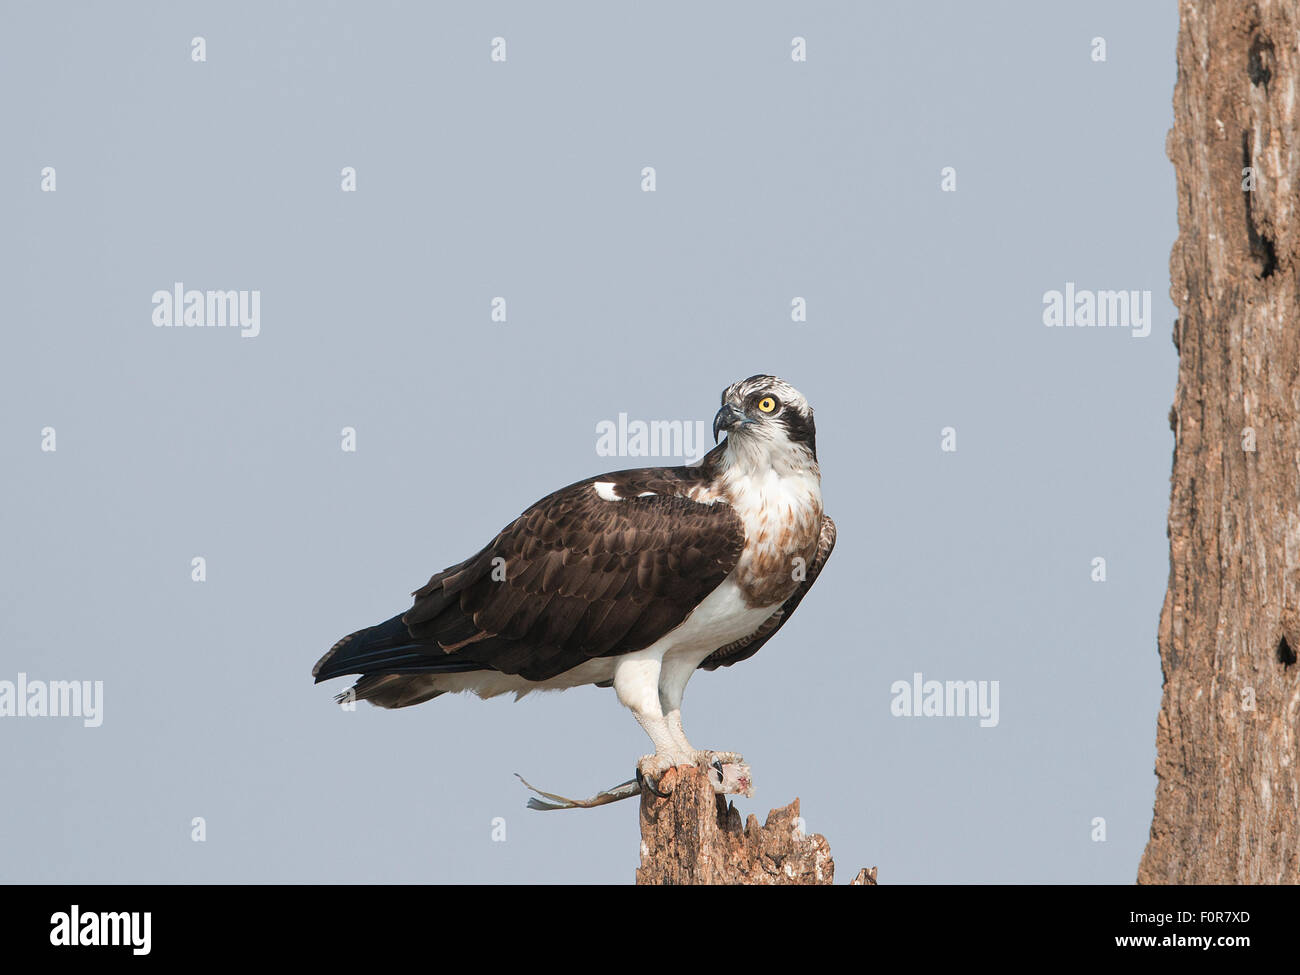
(391, 690)
(387, 648)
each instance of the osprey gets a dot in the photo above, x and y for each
(634, 579)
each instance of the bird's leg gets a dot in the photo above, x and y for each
(636, 682)
(702, 757)
(672, 688)
(727, 770)
(673, 717)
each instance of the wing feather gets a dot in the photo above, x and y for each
(583, 577)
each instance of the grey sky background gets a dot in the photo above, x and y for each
(523, 179)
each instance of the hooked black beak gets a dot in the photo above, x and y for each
(728, 418)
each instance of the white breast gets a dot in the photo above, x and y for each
(769, 504)
(721, 618)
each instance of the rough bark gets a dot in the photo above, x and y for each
(695, 837)
(1228, 802)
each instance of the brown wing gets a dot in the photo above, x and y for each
(746, 647)
(576, 577)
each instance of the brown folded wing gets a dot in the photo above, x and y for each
(576, 577)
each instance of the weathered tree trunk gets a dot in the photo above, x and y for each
(1228, 800)
(695, 837)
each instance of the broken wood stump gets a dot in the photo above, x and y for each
(695, 837)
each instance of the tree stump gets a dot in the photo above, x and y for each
(695, 837)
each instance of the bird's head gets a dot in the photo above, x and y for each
(765, 418)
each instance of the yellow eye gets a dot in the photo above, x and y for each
(767, 404)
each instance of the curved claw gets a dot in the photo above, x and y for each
(645, 783)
